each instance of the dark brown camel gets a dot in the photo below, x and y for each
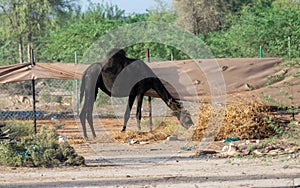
(119, 76)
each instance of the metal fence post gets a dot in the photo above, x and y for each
(149, 98)
(76, 88)
(33, 94)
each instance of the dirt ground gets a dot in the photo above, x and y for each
(110, 163)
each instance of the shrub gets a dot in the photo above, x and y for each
(18, 129)
(40, 150)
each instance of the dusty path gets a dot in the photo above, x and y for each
(157, 165)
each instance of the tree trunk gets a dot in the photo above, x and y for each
(29, 47)
(21, 59)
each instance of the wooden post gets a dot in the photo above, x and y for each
(149, 98)
(172, 56)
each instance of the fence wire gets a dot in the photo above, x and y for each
(55, 99)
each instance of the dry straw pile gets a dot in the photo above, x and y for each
(161, 132)
(243, 119)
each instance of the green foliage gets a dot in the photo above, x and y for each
(78, 36)
(98, 21)
(284, 129)
(245, 25)
(262, 23)
(8, 55)
(48, 98)
(102, 99)
(40, 150)
(157, 52)
(162, 12)
(293, 131)
(273, 124)
(18, 129)
(99, 11)
(22, 20)
(285, 90)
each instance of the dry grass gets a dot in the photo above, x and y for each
(243, 119)
(161, 132)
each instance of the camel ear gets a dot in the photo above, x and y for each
(116, 52)
(122, 52)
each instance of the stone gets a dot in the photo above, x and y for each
(172, 138)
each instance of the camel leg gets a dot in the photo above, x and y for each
(87, 113)
(82, 117)
(182, 115)
(128, 109)
(90, 119)
(139, 110)
(90, 108)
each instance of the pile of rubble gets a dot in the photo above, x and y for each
(257, 148)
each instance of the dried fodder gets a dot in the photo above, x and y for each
(243, 119)
(161, 132)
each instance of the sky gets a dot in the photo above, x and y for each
(130, 6)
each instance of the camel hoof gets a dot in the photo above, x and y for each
(123, 130)
(186, 120)
(187, 123)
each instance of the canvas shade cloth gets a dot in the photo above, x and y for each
(185, 79)
(25, 71)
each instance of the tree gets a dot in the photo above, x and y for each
(81, 33)
(262, 23)
(204, 16)
(22, 19)
(200, 16)
(161, 12)
(11, 26)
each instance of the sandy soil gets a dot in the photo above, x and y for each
(154, 164)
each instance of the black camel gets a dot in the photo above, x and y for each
(120, 76)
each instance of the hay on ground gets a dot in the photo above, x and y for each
(161, 132)
(243, 119)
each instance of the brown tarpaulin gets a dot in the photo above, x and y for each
(186, 79)
(25, 71)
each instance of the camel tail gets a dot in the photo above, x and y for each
(82, 87)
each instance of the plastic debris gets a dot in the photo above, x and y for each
(62, 139)
(33, 148)
(53, 118)
(189, 148)
(232, 139)
(143, 143)
(131, 141)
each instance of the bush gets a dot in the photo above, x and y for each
(40, 150)
(18, 129)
